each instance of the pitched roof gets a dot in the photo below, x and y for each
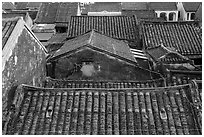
(163, 6)
(120, 27)
(56, 12)
(43, 36)
(65, 10)
(32, 13)
(58, 38)
(191, 6)
(12, 15)
(134, 5)
(34, 5)
(47, 12)
(144, 14)
(27, 5)
(8, 6)
(102, 6)
(7, 27)
(183, 37)
(98, 41)
(179, 77)
(64, 111)
(166, 55)
(199, 13)
(21, 5)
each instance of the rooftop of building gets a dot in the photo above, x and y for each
(166, 110)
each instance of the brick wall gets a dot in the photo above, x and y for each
(26, 65)
(105, 68)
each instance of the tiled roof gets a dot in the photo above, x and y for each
(43, 36)
(165, 55)
(179, 77)
(99, 41)
(163, 6)
(199, 13)
(47, 13)
(191, 6)
(144, 14)
(57, 83)
(120, 27)
(26, 5)
(134, 6)
(65, 10)
(183, 37)
(12, 15)
(58, 38)
(34, 5)
(21, 5)
(112, 111)
(32, 13)
(56, 12)
(7, 27)
(55, 42)
(102, 6)
(8, 6)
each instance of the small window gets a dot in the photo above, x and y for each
(192, 16)
(171, 16)
(163, 15)
(188, 16)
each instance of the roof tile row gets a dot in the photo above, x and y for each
(181, 36)
(56, 83)
(120, 27)
(150, 111)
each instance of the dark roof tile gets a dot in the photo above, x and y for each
(179, 77)
(99, 41)
(21, 5)
(191, 6)
(134, 6)
(65, 10)
(57, 83)
(141, 14)
(163, 6)
(32, 13)
(12, 15)
(112, 111)
(56, 12)
(183, 37)
(8, 6)
(47, 13)
(102, 6)
(165, 55)
(120, 27)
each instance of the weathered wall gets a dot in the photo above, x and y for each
(105, 68)
(26, 65)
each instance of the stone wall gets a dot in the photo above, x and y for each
(26, 65)
(100, 67)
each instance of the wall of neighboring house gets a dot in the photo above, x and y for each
(168, 14)
(101, 67)
(24, 64)
(185, 16)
